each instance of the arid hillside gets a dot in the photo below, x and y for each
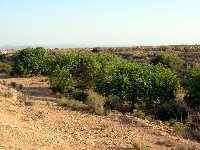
(30, 118)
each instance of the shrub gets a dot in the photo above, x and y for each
(95, 102)
(5, 68)
(171, 111)
(83, 67)
(181, 129)
(113, 102)
(61, 80)
(193, 88)
(170, 60)
(133, 82)
(138, 113)
(163, 85)
(31, 61)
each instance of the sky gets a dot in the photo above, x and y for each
(99, 22)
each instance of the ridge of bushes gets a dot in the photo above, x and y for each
(133, 83)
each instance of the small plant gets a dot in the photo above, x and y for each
(138, 113)
(139, 144)
(106, 126)
(188, 121)
(95, 102)
(180, 128)
(74, 104)
(196, 133)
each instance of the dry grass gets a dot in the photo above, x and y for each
(95, 102)
(167, 143)
(185, 147)
(71, 103)
(140, 144)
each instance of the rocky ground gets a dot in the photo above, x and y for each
(36, 122)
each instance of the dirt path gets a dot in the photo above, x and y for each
(46, 126)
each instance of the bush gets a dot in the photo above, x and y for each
(170, 60)
(181, 129)
(139, 113)
(193, 88)
(171, 111)
(134, 82)
(83, 67)
(61, 80)
(113, 102)
(5, 68)
(31, 61)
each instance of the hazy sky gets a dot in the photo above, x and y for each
(99, 22)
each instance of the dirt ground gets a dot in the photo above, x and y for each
(41, 124)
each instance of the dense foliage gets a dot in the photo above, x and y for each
(193, 88)
(61, 80)
(109, 75)
(31, 61)
(134, 82)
